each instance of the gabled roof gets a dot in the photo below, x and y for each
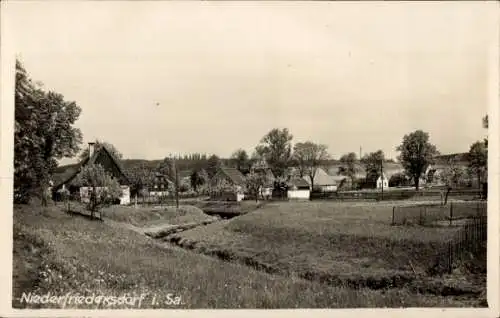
(70, 173)
(233, 174)
(321, 178)
(298, 182)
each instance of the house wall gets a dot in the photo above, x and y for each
(384, 183)
(328, 188)
(298, 194)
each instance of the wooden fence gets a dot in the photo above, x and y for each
(391, 194)
(425, 214)
(471, 239)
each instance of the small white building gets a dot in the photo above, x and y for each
(382, 182)
(298, 189)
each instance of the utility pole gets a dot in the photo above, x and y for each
(176, 177)
(382, 176)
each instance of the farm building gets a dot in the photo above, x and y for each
(65, 179)
(298, 189)
(228, 184)
(160, 185)
(322, 181)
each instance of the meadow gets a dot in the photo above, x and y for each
(335, 243)
(59, 252)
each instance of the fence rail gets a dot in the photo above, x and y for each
(424, 214)
(391, 194)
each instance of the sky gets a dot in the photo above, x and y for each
(223, 74)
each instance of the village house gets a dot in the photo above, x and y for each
(382, 182)
(64, 180)
(323, 182)
(228, 184)
(160, 185)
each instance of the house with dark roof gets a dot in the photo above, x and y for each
(65, 178)
(228, 184)
(159, 185)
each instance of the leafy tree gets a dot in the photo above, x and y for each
(169, 168)
(241, 160)
(276, 148)
(43, 134)
(103, 188)
(398, 179)
(348, 166)
(254, 183)
(213, 165)
(309, 156)
(199, 178)
(372, 163)
(98, 145)
(452, 176)
(416, 154)
(140, 177)
(478, 159)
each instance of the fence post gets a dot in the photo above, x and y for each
(393, 210)
(450, 257)
(451, 213)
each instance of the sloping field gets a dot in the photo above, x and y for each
(151, 216)
(337, 243)
(59, 253)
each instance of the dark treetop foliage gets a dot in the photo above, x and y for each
(416, 154)
(43, 134)
(276, 148)
(309, 157)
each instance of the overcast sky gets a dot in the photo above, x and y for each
(348, 75)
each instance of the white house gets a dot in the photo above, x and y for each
(382, 182)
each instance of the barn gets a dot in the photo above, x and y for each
(228, 184)
(323, 182)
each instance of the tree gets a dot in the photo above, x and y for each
(98, 145)
(213, 165)
(103, 188)
(254, 183)
(241, 160)
(373, 164)
(478, 159)
(452, 176)
(169, 168)
(416, 154)
(276, 148)
(140, 177)
(348, 166)
(309, 156)
(43, 134)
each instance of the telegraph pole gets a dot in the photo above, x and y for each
(382, 176)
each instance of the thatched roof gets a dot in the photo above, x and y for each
(233, 174)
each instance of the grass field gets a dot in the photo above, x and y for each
(331, 242)
(61, 253)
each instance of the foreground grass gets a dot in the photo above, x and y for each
(58, 253)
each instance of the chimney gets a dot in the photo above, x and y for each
(91, 148)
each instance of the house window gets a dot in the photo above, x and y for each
(156, 186)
